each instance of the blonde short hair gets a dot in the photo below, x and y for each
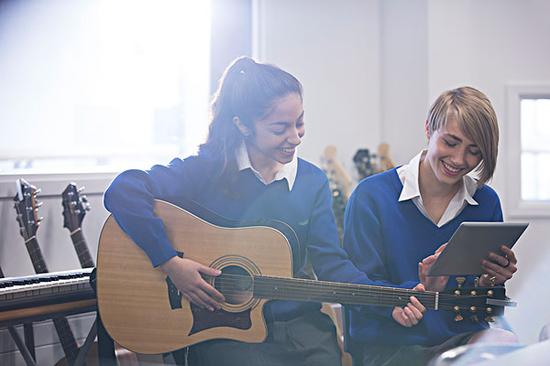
(477, 120)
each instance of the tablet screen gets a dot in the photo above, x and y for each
(471, 243)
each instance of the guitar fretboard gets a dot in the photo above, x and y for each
(66, 336)
(36, 256)
(82, 250)
(323, 291)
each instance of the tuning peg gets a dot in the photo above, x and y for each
(460, 281)
(80, 189)
(86, 203)
(37, 191)
(490, 319)
(38, 204)
(476, 281)
(40, 219)
(458, 317)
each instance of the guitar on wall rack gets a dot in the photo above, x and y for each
(75, 205)
(340, 186)
(27, 206)
(144, 312)
(364, 163)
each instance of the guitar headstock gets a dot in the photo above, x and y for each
(476, 303)
(384, 160)
(364, 163)
(27, 206)
(75, 206)
(336, 173)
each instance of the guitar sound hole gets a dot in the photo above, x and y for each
(235, 284)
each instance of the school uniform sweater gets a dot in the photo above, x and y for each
(386, 239)
(306, 208)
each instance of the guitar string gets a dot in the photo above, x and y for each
(361, 299)
(381, 294)
(298, 283)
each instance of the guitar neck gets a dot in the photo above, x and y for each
(36, 255)
(352, 294)
(66, 337)
(81, 248)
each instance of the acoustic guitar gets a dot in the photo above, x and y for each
(144, 312)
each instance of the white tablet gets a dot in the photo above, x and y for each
(471, 243)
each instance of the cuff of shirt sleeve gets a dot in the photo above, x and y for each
(163, 254)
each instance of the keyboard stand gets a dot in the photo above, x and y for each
(22, 347)
(83, 351)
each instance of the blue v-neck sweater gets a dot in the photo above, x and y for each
(387, 239)
(306, 208)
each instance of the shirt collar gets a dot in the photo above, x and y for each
(287, 171)
(408, 174)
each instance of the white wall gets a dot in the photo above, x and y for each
(333, 47)
(380, 63)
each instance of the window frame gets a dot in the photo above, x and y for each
(519, 207)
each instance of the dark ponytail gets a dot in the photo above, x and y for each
(246, 90)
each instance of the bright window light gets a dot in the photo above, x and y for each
(535, 149)
(102, 85)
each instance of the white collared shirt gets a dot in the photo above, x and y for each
(287, 171)
(408, 174)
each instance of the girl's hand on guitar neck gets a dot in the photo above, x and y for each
(412, 313)
(186, 275)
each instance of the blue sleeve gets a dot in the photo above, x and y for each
(328, 258)
(130, 198)
(363, 241)
(330, 261)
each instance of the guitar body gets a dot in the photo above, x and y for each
(143, 313)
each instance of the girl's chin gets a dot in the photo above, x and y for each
(449, 179)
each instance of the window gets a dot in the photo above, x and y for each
(529, 150)
(102, 85)
(535, 149)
